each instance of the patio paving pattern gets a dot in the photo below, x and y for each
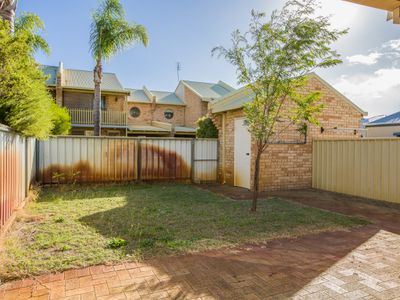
(362, 263)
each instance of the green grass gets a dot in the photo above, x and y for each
(71, 227)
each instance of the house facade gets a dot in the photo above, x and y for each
(131, 112)
(287, 163)
(385, 127)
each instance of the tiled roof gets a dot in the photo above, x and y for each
(209, 90)
(393, 119)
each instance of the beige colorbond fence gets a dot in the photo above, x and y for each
(17, 163)
(367, 168)
(102, 159)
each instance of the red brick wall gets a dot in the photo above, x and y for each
(289, 166)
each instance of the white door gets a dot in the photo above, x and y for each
(242, 154)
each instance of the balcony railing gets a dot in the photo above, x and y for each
(108, 117)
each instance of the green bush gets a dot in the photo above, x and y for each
(25, 103)
(61, 120)
(206, 128)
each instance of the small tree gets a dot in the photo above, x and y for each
(109, 34)
(273, 59)
(206, 129)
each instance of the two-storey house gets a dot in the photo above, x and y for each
(131, 112)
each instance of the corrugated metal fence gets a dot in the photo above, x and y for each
(102, 159)
(17, 163)
(367, 167)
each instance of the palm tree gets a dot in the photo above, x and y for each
(30, 24)
(109, 34)
(7, 11)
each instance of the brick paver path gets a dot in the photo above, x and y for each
(363, 263)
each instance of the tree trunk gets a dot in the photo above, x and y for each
(98, 75)
(256, 179)
(7, 12)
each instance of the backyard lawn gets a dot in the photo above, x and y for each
(76, 226)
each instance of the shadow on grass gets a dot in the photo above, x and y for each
(170, 219)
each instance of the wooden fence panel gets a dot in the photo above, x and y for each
(367, 168)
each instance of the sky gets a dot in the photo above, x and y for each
(186, 31)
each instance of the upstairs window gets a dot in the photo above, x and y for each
(134, 112)
(169, 114)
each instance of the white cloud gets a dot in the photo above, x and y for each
(368, 60)
(373, 92)
(392, 44)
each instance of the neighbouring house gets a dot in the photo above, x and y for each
(74, 89)
(287, 164)
(391, 6)
(131, 112)
(387, 126)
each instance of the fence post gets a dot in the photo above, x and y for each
(139, 160)
(192, 160)
(26, 168)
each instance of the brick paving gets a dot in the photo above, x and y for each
(362, 263)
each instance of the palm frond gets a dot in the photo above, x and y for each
(30, 24)
(110, 33)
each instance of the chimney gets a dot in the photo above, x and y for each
(59, 84)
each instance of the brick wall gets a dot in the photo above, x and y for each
(288, 166)
(147, 114)
(195, 107)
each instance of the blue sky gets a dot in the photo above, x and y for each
(186, 31)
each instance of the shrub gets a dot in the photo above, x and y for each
(116, 243)
(206, 128)
(61, 120)
(25, 103)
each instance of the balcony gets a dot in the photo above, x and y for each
(108, 117)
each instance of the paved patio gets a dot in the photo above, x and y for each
(363, 263)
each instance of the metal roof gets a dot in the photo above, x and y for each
(236, 99)
(50, 71)
(155, 129)
(147, 128)
(393, 119)
(208, 90)
(169, 98)
(138, 96)
(181, 129)
(82, 80)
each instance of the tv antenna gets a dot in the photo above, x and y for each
(178, 69)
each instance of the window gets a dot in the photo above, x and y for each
(134, 112)
(103, 103)
(168, 114)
